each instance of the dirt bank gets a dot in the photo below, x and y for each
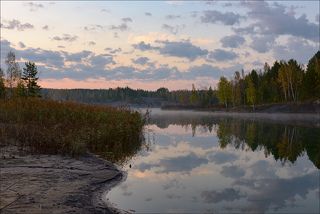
(54, 184)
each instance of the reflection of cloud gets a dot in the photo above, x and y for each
(175, 164)
(148, 199)
(124, 188)
(232, 172)
(182, 163)
(275, 192)
(228, 194)
(262, 169)
(173, 196)
(222, 157)
(174, 183)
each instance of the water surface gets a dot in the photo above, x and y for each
(201, 162)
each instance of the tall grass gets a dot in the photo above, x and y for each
(53, 127)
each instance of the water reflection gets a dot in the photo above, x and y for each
(218, 164)
(284, 141)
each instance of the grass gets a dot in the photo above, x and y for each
(53, 127)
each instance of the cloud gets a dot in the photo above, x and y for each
(232, 172)
(173, 29)
(46, 27)
(121, 27)
(222, 55)
(274, 20)
(100, 61)
(262, 44)
(142, 46)
(233, 41)
(126, 19)
(93, 27)
(183, 49)
(214, 16)
(148, 14)
(65, 37)
(77, 57)
(91, 43)
(295, 48)
(222, 157)
(86, 64)
(113, 51)
(171, 16)
(49, 58)
(34, 6)
(228, 194)
(141, 60)
(22, 45)
(105, 10)
(16, 24)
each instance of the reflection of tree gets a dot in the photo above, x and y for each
(284, 142)
(289, 147)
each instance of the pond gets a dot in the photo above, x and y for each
(202, 162)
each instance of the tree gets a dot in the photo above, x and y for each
(2, 87)
(224, 91)
(250, 92)
(311, 81)
(210, 95)
(194, 95)
(13, 71)
(290, 77)
(30, 79)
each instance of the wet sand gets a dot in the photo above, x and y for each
(55, 184)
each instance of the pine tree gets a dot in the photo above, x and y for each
(29, 76)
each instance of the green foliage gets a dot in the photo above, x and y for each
(194, 95)
(250, 92)
(224, 91)
(20, 90)
(311, 81)
(284, 81)
(29, 77)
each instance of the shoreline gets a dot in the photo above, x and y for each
(55, 183)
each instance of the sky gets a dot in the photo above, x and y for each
(153, 44)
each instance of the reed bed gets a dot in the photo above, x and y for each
(52, 127)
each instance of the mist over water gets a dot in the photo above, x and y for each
(216, 162)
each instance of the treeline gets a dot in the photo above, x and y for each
(283, 82)
(15, 82)
(135, 96)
